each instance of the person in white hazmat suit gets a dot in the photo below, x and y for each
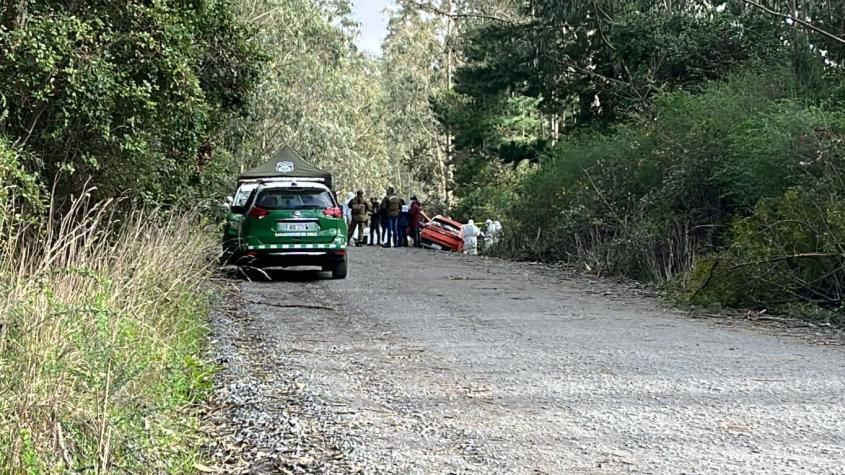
(489, 234)
(470, 234)
(347, 211)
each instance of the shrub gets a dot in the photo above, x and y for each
(740, 177)
(101, 325)
(790, 251)
(16, 184)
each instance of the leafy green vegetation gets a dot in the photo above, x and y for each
(106, 110)
(128, 95)
(110, 110)
(671, 142)
(102, 325)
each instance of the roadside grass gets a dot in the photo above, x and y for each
(101, 334)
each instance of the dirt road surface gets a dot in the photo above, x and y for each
(427, 363)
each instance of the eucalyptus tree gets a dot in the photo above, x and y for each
(413, 71)
(318, 94)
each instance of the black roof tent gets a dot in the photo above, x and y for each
(286, 163)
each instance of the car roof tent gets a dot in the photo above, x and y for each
(287, 164)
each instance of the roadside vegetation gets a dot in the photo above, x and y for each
(100, 340)
(698, 145)
(109, 113)
(122, 127)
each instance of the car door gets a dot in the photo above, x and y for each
(240, 204)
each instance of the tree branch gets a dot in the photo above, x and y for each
(478, 16)
(799, 21)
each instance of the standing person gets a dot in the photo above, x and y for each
(392, 206)
(375, 222)
(402, 225)
(415, 217)
(385, 239)
(347, 213)
(497, 231)
(490, 235)
(359, 210)
(470, 233)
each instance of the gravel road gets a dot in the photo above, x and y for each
(428, 363)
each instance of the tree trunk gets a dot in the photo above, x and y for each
(447, 6)
(13, 13)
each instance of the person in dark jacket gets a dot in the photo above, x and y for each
(402, 225)
(375, 223)
(391, 206)
(415, 220)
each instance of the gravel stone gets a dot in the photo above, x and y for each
(423, 362)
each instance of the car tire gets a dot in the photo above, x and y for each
(339, 269)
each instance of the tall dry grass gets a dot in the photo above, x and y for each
(101, 325)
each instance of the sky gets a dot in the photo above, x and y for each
(370, 14)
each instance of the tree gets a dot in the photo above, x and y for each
(412, 73)
(319, 95)
(127, 94)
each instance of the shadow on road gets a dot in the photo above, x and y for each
(274, 274)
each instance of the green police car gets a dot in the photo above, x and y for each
(285, 214)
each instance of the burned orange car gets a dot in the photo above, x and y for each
(442, 233)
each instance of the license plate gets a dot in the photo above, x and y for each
(294, 227)
(437, 247)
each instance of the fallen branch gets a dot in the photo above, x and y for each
(805, 255)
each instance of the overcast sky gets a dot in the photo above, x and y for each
(370, 14)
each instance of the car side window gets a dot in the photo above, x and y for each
(243, 194)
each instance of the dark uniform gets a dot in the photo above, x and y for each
(375, 223)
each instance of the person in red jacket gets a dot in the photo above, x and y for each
(415, 218)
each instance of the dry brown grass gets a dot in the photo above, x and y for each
(101, 316)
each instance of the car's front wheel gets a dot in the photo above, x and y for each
(339, 269)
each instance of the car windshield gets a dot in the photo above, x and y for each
(276, 199)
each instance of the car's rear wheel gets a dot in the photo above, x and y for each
(339, 269)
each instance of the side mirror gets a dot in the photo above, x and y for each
(237, 209)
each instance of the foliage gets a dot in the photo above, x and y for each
(673, 141)
(413, 71)
(597, 61)
(791, 249)
(707, 174)
(319, 95)
(100, 340)
(128, 95)
(18, 185)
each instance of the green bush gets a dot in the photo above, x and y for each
(732, 191)
(17, 184)
(127, 96)
(790, 250)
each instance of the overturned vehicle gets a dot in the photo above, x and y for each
(442, 233)
(285, 214)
